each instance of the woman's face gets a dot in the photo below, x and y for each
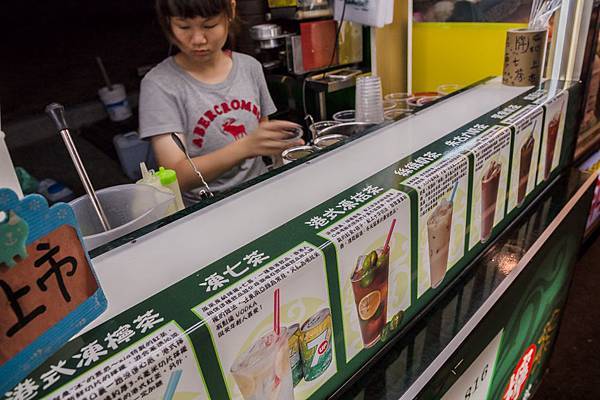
(200, 38)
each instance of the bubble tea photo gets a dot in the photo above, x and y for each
(551, 142)
(525, 166)
(439, 226)
(264, 372)
(489, 195)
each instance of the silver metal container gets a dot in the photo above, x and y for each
(265, 31)
(317, 127)
(347, 129)
(271, 43)
(328, 140)
(296, 153)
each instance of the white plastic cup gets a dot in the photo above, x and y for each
(115, 102)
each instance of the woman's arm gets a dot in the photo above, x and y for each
(268, 139)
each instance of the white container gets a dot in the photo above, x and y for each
(127, 207)
(132, 151)
(55, 191)
(8, 177)
(115, 102)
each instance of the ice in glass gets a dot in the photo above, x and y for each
(370, 287)
(489, 195)
(439, 225)
(524, 167)
(551, 143)
(263, 372)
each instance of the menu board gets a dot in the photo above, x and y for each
(296, 312)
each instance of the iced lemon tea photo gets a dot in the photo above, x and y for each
(370, 287)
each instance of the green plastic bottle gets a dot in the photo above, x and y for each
(168, 179)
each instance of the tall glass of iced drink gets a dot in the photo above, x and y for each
(551, 143)
(439, 226)
(489, 195)
(370, 287)
(264, 372)
(524, 167)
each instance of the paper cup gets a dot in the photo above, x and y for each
(524, 56)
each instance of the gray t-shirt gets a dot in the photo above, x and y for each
(209, 115)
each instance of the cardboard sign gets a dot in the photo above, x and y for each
(48, 291)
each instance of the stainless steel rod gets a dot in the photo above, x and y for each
(87, 184)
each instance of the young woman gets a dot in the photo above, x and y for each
(215, 100)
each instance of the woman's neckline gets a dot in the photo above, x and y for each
(213, 86)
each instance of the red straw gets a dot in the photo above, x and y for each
(276, 323)
(386, 247)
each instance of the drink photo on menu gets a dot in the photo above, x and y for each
(374, 269)
(526, 148)
(442, 219)
(439, 227)
(491, 157)
(554, 126)
(275, 338)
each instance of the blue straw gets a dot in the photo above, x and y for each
(172, 385)
(454, 191)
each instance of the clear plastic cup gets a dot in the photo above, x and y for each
(427, 99)
(369, 100)
(389, 105)
(317, 127)
(295, 134)
(127, 207)
(398, 96)
(447, 88)
(263, 371)
(345, 116)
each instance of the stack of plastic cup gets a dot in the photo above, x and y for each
(369, 99)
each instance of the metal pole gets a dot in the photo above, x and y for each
(56, 113)
(85, 180)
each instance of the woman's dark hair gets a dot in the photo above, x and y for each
(165, 9)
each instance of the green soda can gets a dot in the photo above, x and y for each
(315, 344)
(295, 360)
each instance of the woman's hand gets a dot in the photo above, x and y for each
(271, 138)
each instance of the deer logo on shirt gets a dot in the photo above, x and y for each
(219, 112)
(237, 131)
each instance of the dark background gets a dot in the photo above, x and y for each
(48, 50)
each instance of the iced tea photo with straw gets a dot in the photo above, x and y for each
(370, 287)
(439, 227)
(264, 372)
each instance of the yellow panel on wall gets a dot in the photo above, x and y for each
(457, 52)
(391, 50)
